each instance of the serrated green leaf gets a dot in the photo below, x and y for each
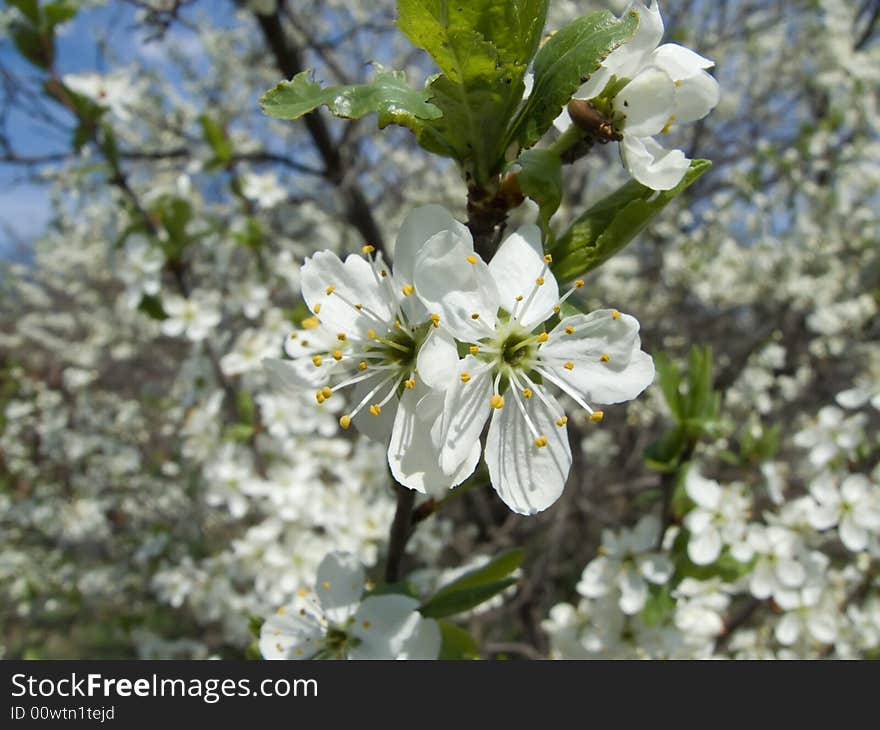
(609, 225)
(483, 48)
(388, 95)
(449, 604)
(566, 61)
(457, 644)
(540, 178)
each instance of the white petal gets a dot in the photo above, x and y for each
(855, 488)
(695, 97)
(854, 397)
(594, 85)
(626, 60)
(419, 226)
(646, 533)
(465, 410)
(424, 642)
(625, 373)
(527, 478)
(647, 102)
(294, 376)
(377, 427)
(855, 538)
(657, 568)
(652, 165)
(384, 624)
(437, 361)
(596, 580)
(679, 62)
(823, 626)
(353, 283)
(763, 581)
(705, 492)
(705, 547)
(339, 586)
(291, 634)
(451, 286)
(412, 455)
(788, 629)
(790, 573)
(516, 267)
(563, 121)
(633, 592)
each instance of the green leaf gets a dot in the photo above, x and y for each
(609, 225)
(29, 8)
(669, 380)
(152, 306)
(483, 48)
(449, 604)
(499, 567)
(566, 61)
(387, 94)
(457, 643)
(217, 139)
(658, 607)
(540, 178)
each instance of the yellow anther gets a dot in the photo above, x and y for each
(543, 337)
(519, 298)
(541, 442)
(304, 343)
(407, 289)
(302, 592)
(474, 349)
(293, 336)
(329, 290)
(475, 315)
(398, 324)
(326, 585)
(561, 421)
(569, 330)
(317, 308)
(597, 416)
(540, 281)
(326, 392)
(496, 401)
(281, 611)
(409, 384)
(471, 259)
(556, 309)
(310, 323)
(279, 647)
(435, 320)
(579, 283)
(358, 307)
(341, 337)
(375, 409)
(362, 365)
(668, 124)
(465, 377)
(337, 355)
(615, 314)
(604, 357)
(569, 365)
(299, 651)
(548, 259)
(368, 249)
(345, 421)
(367, 624)
(316, 361)
(527, 392)
(319, 396)
(371, 334)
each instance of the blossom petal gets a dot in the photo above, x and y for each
(626, 60)
(376, 427)
(578, 364)
(446, 260)
(424, 642)
(383, 624)
(465, 410)
(292, 633)
(420, 225)
(527, 478)
(695, 97)
(678, 61)
(652, 165)
(353, 283)
(705, 547)
(437, 361)
(412, 455)
(339, 586)
(633, 592)
(648, 102)
(705, 492)
(517, 266)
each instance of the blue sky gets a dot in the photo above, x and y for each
(23, 205)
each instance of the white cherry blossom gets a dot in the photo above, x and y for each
(336, 622)
(498, 312)
(852, 505)
(719, 518)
